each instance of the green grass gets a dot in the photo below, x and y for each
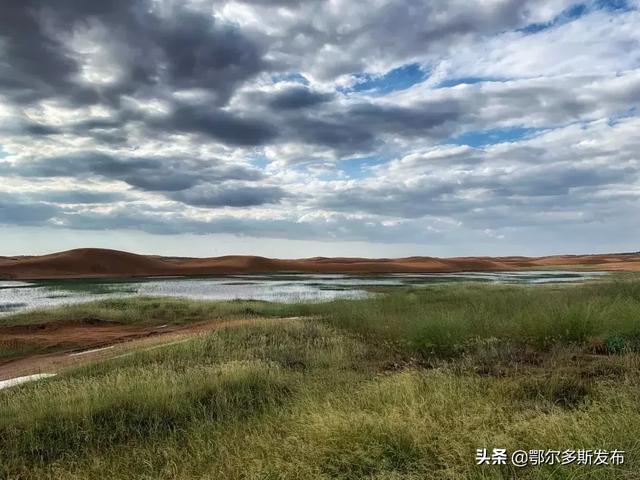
(88, 286)
(14, 349)
(151, 311)
(450, 320)
(401, 386)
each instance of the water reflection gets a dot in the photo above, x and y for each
(18, 296)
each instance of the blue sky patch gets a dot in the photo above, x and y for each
(290, 77)
(452, 82)
(576, 11)
(399, 78)
(259, 161)
(572, 13)
(630, 113)
(357, 167)
(482, 138)
(613, 5)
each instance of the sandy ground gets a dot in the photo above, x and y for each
(90, 342)
(99, 263)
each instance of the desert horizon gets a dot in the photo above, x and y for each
(105, 263)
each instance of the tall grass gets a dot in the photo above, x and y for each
(232, 405)
(78, 416)
(17, 349)
(153, 311)
(344, 394)
(448, 320)
(152, 396)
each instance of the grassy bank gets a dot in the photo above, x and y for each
(435, 321)
(150, 311)
(450, 320)
(405, 385)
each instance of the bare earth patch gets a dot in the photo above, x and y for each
(81, 342)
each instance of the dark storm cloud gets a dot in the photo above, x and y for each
(34, 65)
(154, 49)
(338, 228)
(25, 127)
(297, 97)
(558, 180)
(218, 124)
(39, 64)
(416, 120)
(396, 200)
(207, 195)
(37, 129)
(96, 124)
(20, 211)
(286, 3)
(176, 48)
(153, 174)
(199, 53)
(342, 136)
(77, 196)
(361, 127)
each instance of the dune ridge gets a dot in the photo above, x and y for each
(103, 263)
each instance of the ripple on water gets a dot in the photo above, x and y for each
(20, 296)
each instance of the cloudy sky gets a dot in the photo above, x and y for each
(297, 128)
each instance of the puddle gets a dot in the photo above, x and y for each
(77, 354)
(12, 382)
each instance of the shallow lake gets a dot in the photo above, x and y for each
(18, 296)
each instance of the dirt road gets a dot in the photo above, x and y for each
(87, 341)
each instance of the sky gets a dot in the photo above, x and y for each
(298, 128)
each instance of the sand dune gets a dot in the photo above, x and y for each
(100, 263)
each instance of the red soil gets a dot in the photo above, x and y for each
(71, 335)
(98, 263)
(71, 343)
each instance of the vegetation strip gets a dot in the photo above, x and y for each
(404, 385)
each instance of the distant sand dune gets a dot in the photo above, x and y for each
(100, 263)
